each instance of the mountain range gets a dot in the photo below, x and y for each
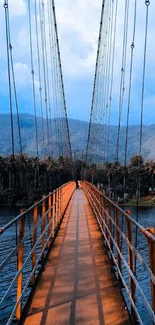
(78, 134)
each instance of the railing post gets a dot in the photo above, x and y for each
(152, 267)
(56, 204)
(131, 261)
(58, 214)
(110, 225)
(43, 224)
(117, 221)
(49, 217)
(55, 208)
(62, 206)
(105, 219)
(53, 216)
(60, 203)
(103, 216)
(35, 219)
(100, 209)
(19, 265)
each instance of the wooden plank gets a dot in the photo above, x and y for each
(77, 286)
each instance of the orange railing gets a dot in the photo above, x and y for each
(30, 237)
(131, 248)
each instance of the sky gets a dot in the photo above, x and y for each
(78, 27)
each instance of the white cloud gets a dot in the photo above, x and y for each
(22, 73)
(23, 76)
(78, 24)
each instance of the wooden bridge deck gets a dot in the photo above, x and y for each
(77, 286)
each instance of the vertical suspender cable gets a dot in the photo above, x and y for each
(33, 79)
(130, 83)
(111, 15)
(13, 78)
(147, 3)
(128, 105)
(94, 86)
(44, 73)
(123, 70)
(9, 77)
(39, 70)
(62, 84)
(112, 73)
(47, 76)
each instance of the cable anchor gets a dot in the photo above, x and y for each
(147, 2)
(5, 5)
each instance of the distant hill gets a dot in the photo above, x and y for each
(78, 133)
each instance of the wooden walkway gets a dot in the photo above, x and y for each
(77, 286)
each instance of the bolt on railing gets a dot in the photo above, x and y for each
(31, 246)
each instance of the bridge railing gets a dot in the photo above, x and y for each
(132, 251)
(25, 242)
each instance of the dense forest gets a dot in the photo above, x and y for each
(24, 179)
(136, 179)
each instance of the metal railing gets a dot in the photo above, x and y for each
(26, 240)
(132, 251)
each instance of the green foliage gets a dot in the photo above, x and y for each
(137, 160)
(25, 179)
(119, 179)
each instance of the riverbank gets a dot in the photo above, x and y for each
(20, 204)
(142, 203)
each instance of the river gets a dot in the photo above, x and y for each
(146, 218)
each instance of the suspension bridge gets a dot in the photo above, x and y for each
(74, 256)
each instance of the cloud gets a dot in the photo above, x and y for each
(78, 26)
(23, 74)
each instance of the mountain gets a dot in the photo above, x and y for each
(78, 134)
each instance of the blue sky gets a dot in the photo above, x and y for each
(78, 26)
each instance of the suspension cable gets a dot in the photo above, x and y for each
(62, 84)
(130, 83)
(44, 72)
(13, 78)
(147, 3)
(123, 70)
(39, 71)
(33, 76)
(112, 74)
(94, 85)
(9, 77)
(47, 76)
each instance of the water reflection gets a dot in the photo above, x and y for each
(146, 215)
(7, 214)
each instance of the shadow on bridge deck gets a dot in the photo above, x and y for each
(77, 286)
